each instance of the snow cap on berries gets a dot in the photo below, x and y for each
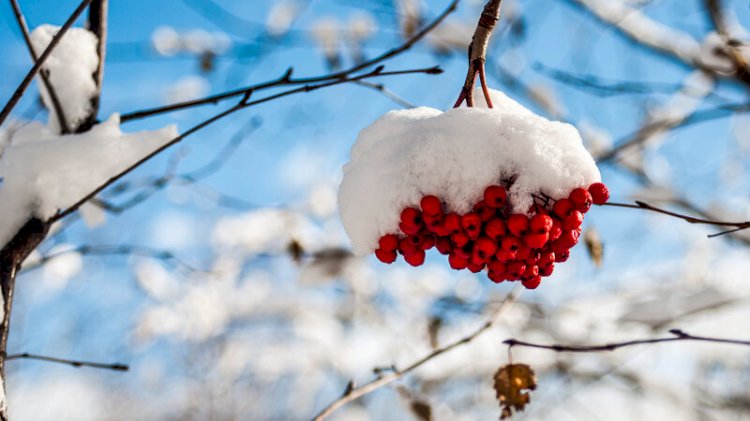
(408, 154)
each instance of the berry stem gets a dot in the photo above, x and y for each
(478, 54)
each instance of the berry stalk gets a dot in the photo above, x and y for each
(478, 55)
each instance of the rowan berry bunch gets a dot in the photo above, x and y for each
(511, 246)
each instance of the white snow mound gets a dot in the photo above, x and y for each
(41, 173)
(455, 155)
(71, 67)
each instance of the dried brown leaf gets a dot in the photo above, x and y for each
(512, 384)
(594, 246)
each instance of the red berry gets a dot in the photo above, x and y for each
(573, 221)
(431, 205)
(388, 242)
(459, 239)
(515, 269)
(530, 272)
(563, 208)
(540, 224)
(457, 262)
(562, 256)
(569, 238)
(433, 222)
(443, 245)
(556, 231)
(581, 199)
(536, 241)
(533, 282)
(496, 277)
(472, 224)
(505, 256)
(475, 267)
(518, 224)
(547, 269)
(523, 253)
(411, 221)
(599, 193)
(408, 246)
(495, 196)
(546, 258)
(496, 266)
(534, 257)
(485, 248)
(452, 224)
(484, 211)
(416, 258)
(510, 244)
(427, 241)
(495, 228)
(386, 256)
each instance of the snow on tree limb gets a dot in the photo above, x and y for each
(43, 172)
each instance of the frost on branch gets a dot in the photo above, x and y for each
(71, 67)
(42, 172)
(456, 154)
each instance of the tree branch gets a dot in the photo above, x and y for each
(56, 106)
(716, 15)
(286, 79)
(736, 226)
(679, 335)
(73, 363)
(18, 93)
(97, 24)
(352, 393)
(478, 54)
(244, 103)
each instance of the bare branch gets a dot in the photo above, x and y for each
(377, 72)
(97, 24)
(115, 250)
(286, 79)
(679, 335)
(56, 106)
(478, 54)
(72, 363)
(353, 393)
(18, 93)
(736, 226)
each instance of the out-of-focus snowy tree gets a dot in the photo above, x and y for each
(220, 273)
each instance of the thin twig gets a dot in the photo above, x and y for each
(18, 93)
(353, 393)
(114, 250)
(73, 363)
(736, 226)
(286, 79)
(679, 335)
(56, 106)
(244, 103)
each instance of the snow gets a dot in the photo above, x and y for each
(71, 66)
(43, 172)
(168, 42)
(455, 155)
(281, 16)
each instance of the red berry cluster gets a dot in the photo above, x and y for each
(511, 246)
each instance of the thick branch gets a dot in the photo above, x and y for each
(56, 106)
(18, 93)
(678, 336)
(352, 393)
